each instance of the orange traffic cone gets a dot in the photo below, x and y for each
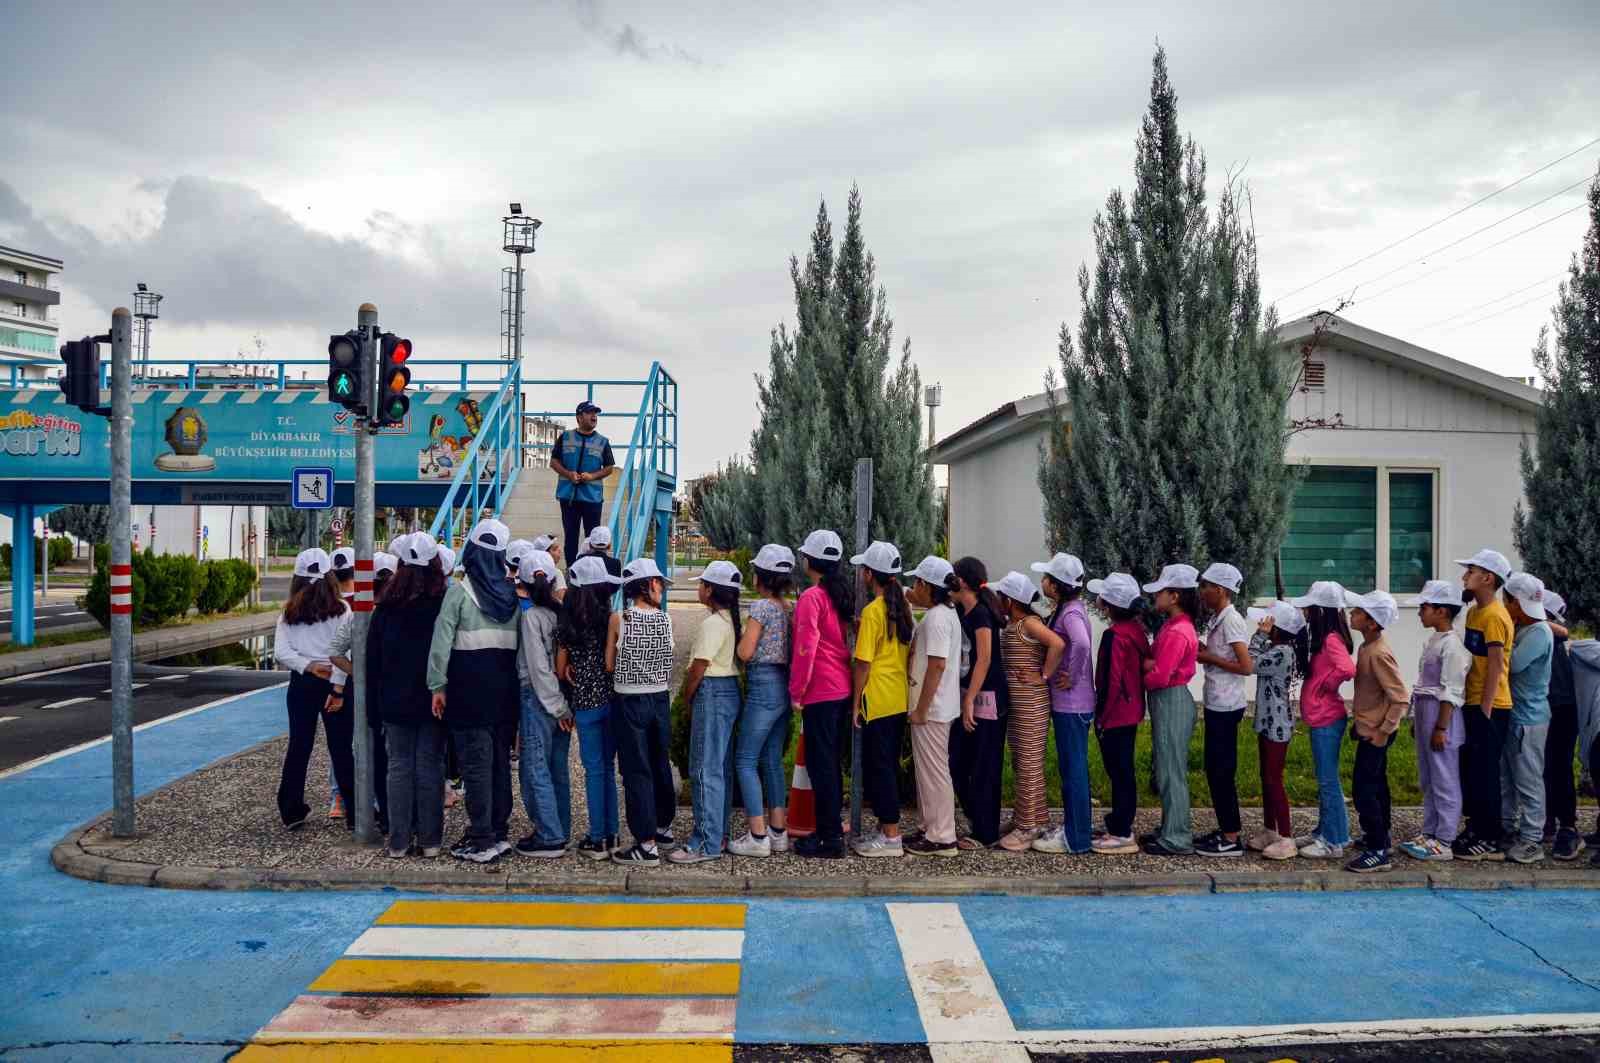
(802, 804)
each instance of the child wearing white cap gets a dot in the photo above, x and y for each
(819, 682)
(936, 705)
(642, 649)
(1560, 789)
(1490, 637)
(764, 727)
(546, 723)
(1280, 653)
(978, 745)
(581, 640)
(1071, 703)
(712, 688)
(1522, 758)
(1323, 710)
(1226, 658)
(599, 545)
(303, 643)
(1380, 701)
(1119, 704)
(1166, 681)
(1437, 702)
(1031, 652)
(883, 640)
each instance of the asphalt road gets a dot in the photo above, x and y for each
(62, 614)
(1448, 1050)
(50, 711)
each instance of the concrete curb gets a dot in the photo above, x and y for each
(147, 645)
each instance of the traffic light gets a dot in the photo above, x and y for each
(81, 381)
(344, 370)
(393, 379)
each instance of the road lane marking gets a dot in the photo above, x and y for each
(169, 678)
(564, 916)
(510, 978)
(37, 762)
(53, 671)
(8, 719)
(64, 704)
(955, 994)
(1191, 1038)
(136, 686)
(484, 942)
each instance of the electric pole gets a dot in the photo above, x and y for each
(121, 573)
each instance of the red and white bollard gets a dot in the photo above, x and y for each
(121, 589)
(363, 602)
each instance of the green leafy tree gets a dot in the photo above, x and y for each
(1169, 441)
(1558, 529)
(834, 392)
(87, 524)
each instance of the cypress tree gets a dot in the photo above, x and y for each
(1169, 443)
(1557, 531)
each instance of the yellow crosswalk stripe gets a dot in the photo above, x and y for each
(564, 915)
(471, 977)
(489, 1051)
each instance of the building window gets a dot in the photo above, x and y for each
(19, 308)
(1333, 529)
(22, 276)
(1411, 561)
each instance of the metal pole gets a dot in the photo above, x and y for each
(367, 321)
(121, 574)
(44, 562)
(863, 537)
(516, 323)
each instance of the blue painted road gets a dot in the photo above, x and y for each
(97, 972)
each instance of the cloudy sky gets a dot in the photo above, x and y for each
(267, 178)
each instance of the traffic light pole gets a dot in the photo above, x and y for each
(121, 573)
(367, 321)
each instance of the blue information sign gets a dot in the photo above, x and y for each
(311, 488)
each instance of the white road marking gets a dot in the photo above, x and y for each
(494, 943)
(169, 678)
(955, 994)
(1189, 1038)
(8, 719)
(52, 671)
(80, 747)
(64, 704)
(136, 686)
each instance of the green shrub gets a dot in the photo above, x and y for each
(60, 549)
(172, 583)
(97, 602)
(223, 585)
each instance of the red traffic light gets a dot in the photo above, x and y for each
(395, 349)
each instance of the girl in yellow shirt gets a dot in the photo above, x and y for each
(883, 638)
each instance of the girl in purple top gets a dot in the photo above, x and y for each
(1071, 703)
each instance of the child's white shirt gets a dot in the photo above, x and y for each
(1454, 664)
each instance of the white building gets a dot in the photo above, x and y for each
(29, 329)
(1423, 468)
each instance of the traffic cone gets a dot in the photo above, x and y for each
(802, 803)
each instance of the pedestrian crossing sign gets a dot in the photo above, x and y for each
(311, 488)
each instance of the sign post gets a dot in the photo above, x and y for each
(121, 573)
(863, 537)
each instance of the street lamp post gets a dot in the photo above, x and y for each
(146, 308)
(519, 232)
(932, 398)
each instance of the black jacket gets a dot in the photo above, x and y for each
(397, 662)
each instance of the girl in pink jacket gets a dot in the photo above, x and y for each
(1322, 707)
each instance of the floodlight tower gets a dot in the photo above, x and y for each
(146, 308)
(932, 398)
(519, 231)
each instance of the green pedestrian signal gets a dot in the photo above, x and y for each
(344, 369)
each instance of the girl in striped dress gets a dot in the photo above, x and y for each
(1030, 651)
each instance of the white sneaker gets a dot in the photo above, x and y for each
(779, 840)
(1258, 842)
(1111, 845)
(749, 845)
(1321, 850)
(877, 844)
(1282, 849)
(502, 847)
(1053, 840)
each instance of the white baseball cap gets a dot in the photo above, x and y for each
(883, 558)
(396, 543)
(1017, 587)
(536, 563)
(418, 548)
(723, 574)
(1119, 588)
(823, 545)
(1284, 616)
(1529, 592)
(516, 550)
(774, 557)
(343, 558)
(447, 559)
(543, 542)
(642, 568)
(1380, 605)
(1065, 569)
(312, 562)
(1555, 606)
(600, 538)
(591, 571)
(1174, 578)
(1223, 575)
(933, 569)
(1491, 560)
(1437, 592)
(1325, 593)
(490, 534)
(385, 562)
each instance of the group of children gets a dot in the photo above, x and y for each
(520, 655)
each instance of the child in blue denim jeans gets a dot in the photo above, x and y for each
(641, 653)
(764, 728)
(581, 663)
(546, 723)
(712, 689)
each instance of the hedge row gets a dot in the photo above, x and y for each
(167, 586)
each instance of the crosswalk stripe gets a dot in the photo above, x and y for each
(505, 1019)
(494, 943)
(621, 1051)
(564, 915)
(955, 994)
(507, 978)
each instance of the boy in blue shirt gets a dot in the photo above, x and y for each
(1522, 759)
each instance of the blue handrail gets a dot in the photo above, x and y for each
(651, 468)
(474, 489)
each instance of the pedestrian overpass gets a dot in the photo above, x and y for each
(476, 443)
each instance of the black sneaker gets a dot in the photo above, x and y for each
(1147, 837)
(1475, 849)
(815, 848)
(1218, 844)
(921, 846)
(593, 848)
(460, 847)
(637, 856)
(1155, 848)
(1370, 861)
(531, 846)
(613, 843)
(296, 824)
(1592, 840)
(486, 855)
(1567, 845)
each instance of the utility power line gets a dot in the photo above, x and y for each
(1506, 310)
(1485, 305)
(1435, 224)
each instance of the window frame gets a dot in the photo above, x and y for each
(1384, 527)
